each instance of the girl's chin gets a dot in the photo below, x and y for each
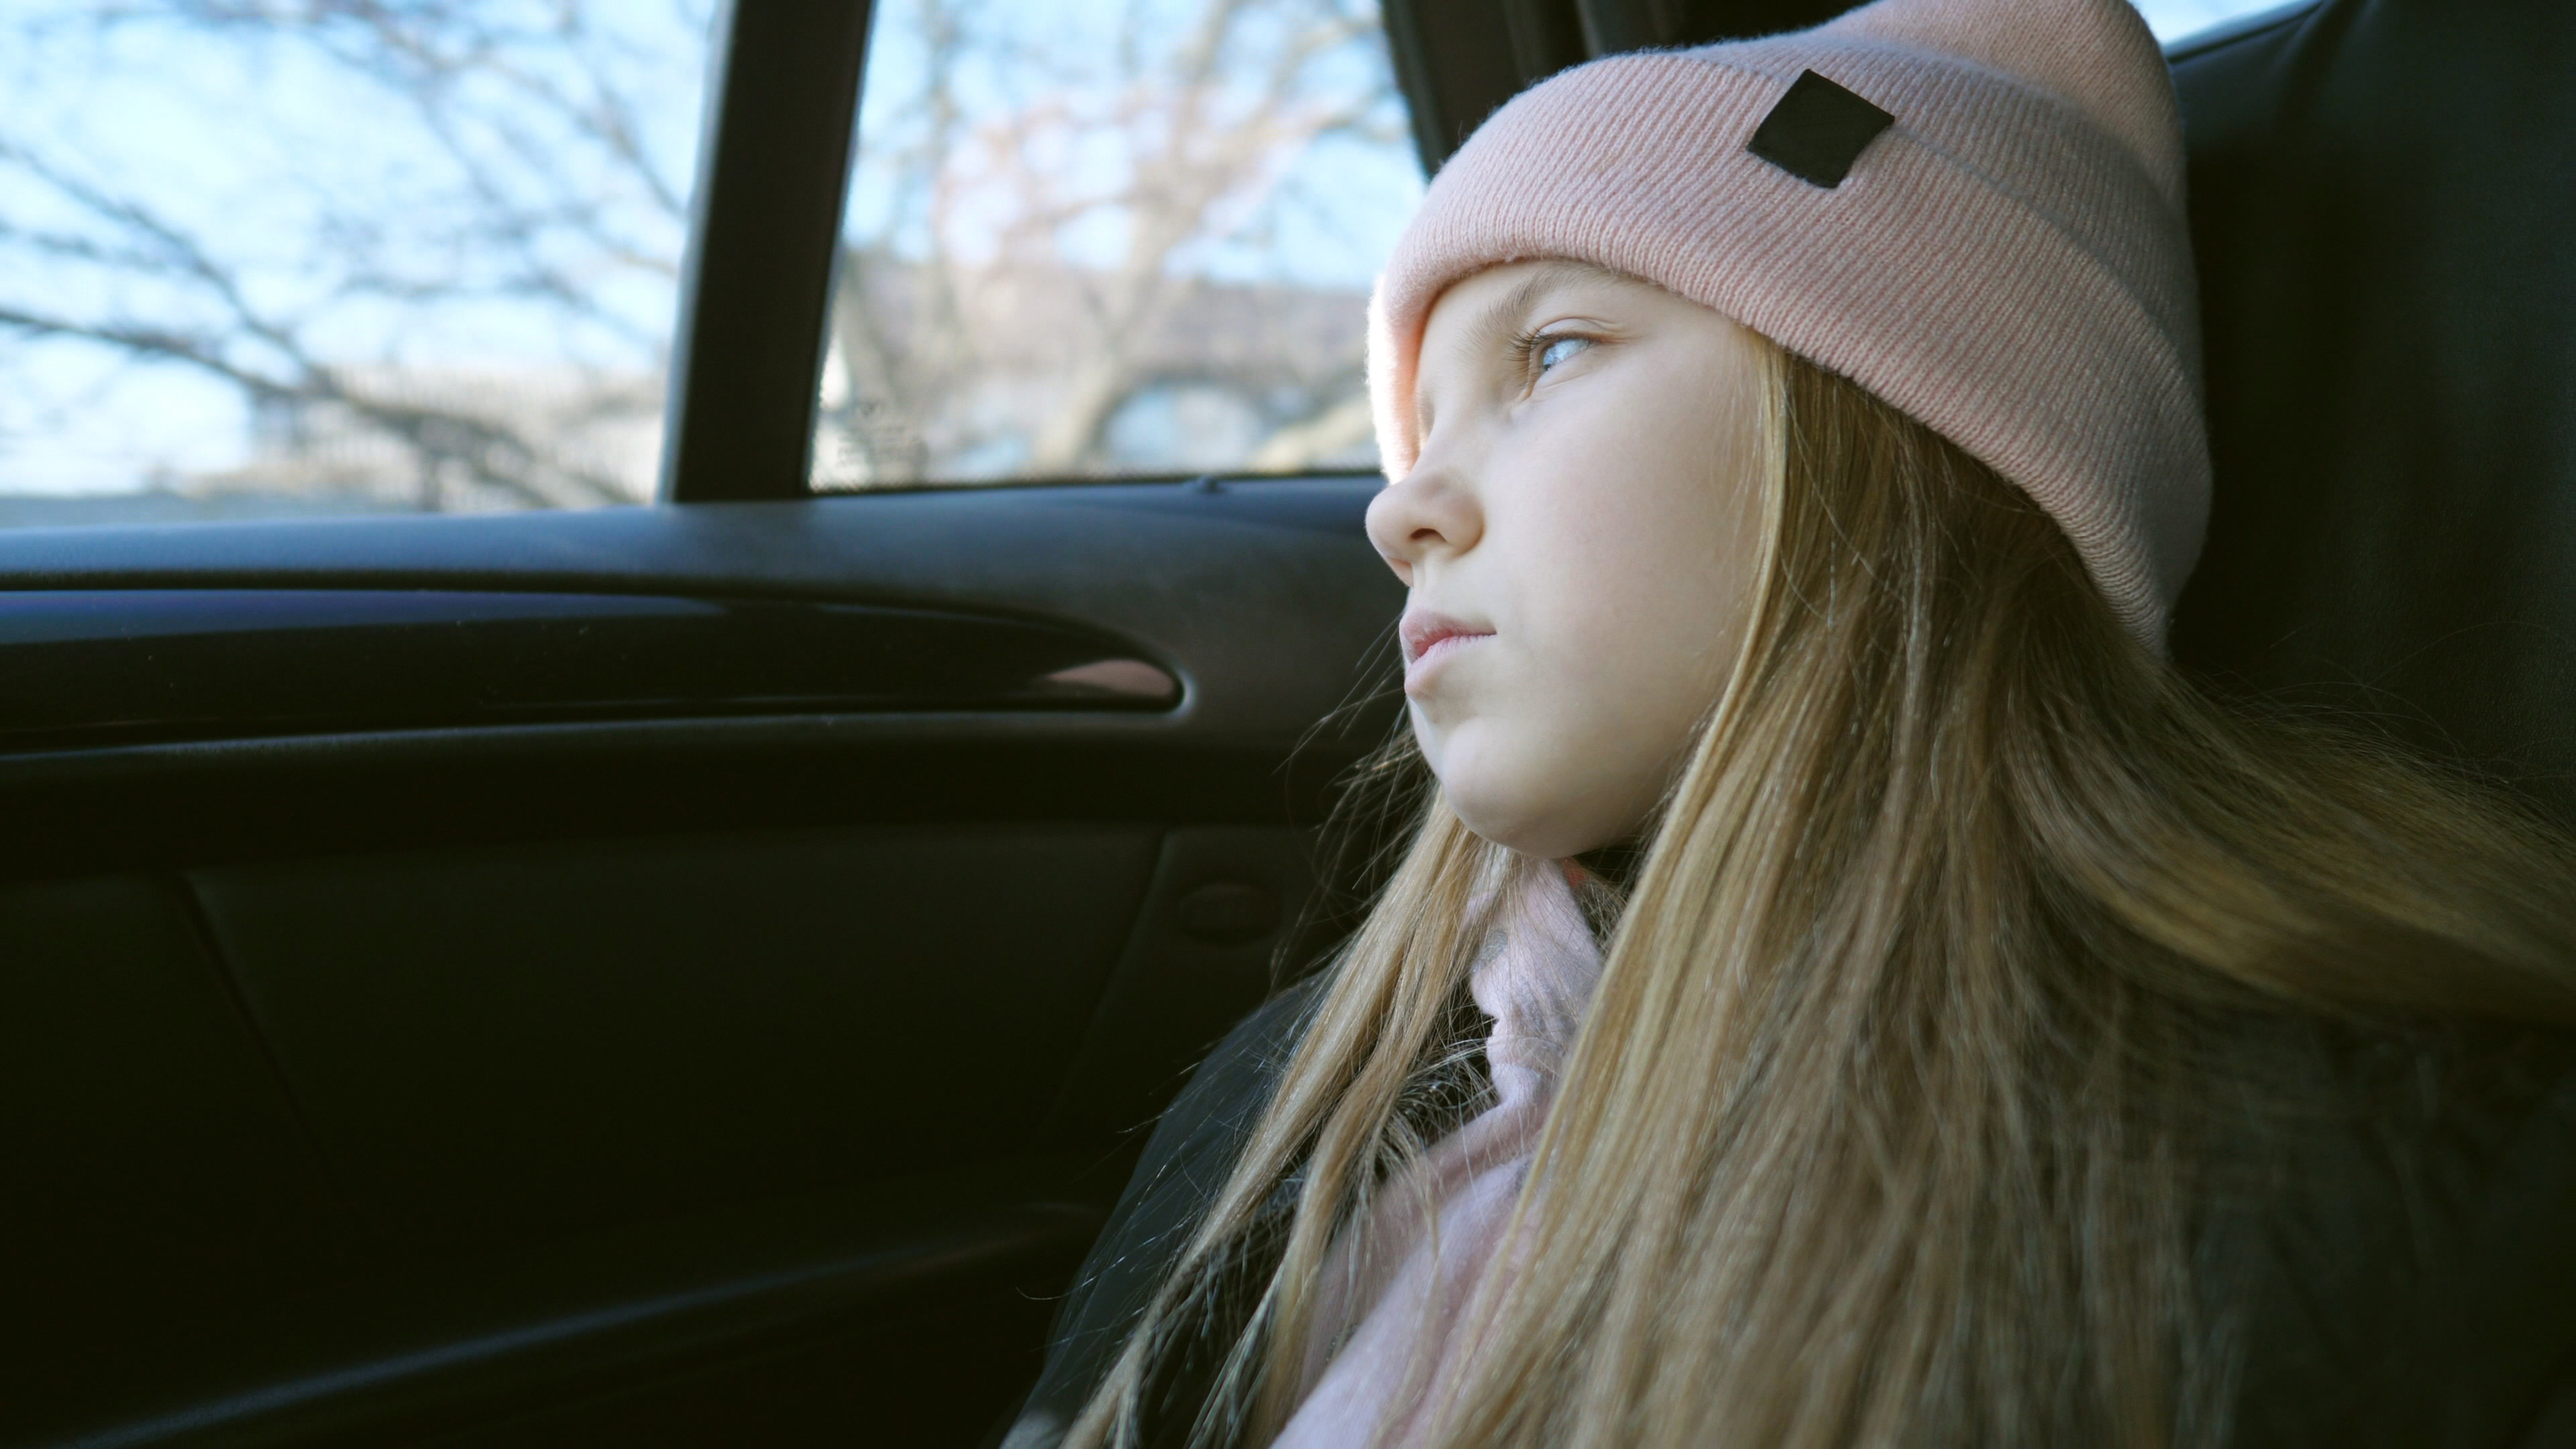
(1512, 819)
(1517, 810)
(1495, 791)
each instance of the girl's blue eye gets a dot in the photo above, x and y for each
(1557, 349)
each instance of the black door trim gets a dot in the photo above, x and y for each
(115, 666)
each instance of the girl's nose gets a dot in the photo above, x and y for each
(1425, 513)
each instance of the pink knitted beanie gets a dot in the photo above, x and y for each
(2007, 261)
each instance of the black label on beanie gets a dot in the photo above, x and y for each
(1817, 131)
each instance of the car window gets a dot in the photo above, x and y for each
(260, 260)
(1127, 238)
(277, 259)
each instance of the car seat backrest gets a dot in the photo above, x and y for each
(2383, 198)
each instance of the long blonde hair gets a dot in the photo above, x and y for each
(1966, 926)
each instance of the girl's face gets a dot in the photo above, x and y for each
(1580, 537)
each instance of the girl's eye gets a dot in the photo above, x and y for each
(1553, 350)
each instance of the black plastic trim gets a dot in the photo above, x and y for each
(774, 167)
(1457, 61)
(462, 1339)
(1198, 579)
(111, 666)
(2228, 32)
(1262, 599)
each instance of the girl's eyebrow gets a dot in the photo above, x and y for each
(1500, 321)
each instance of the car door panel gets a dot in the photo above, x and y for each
(154, 1162)
(535, 1039)
(1199, 961)
(923, 1269)
(681, 1048)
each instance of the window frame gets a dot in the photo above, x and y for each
(764, 232)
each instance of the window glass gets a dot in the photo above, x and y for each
(2171, 20)
(286, 258)
(1115, 238)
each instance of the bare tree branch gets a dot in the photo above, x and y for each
(540, 125)
(1030, 267)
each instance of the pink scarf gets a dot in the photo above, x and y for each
(1396, 1288)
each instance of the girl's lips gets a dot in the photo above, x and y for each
(1441, 648)
(1422, 629)
(1431, 638)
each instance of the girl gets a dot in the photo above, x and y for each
(1846, 988)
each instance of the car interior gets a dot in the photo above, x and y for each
(699, 973)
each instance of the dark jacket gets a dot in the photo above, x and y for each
(2414, 1284)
